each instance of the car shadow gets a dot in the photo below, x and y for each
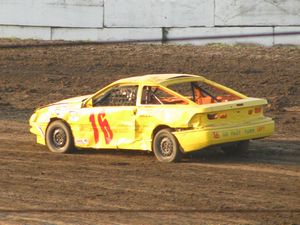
(114, 152)
(260, 151)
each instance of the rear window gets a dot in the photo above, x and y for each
(202, 93)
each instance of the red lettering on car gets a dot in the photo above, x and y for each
(104, 125)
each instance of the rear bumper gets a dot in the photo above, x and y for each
(196, 139)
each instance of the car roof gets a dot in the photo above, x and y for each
(161, 79)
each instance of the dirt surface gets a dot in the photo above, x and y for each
(114, 187)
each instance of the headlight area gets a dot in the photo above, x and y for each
(33, 118)
(39, 116)
(37, 127)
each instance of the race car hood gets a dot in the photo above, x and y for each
(72, 102)
(57, 109)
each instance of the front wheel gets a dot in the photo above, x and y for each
(166, 147)
(59, 138)
(237, 148)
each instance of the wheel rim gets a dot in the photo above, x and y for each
(59, 138)
(166, 147)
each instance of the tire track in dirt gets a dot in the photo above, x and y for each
(252, 169)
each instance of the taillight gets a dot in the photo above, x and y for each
(212, 116)
(223, 116)
(258, 109)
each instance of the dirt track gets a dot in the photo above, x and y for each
(111, 187)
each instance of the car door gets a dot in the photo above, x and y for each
(110, 121)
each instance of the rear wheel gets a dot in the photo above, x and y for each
(237, 148)
(59, 138)
(166, 147)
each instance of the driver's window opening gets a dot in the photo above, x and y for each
(117, 96)
(153, 95)
(202, 93)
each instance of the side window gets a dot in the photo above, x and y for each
(117, 96)
(185, 89)
(152, 95)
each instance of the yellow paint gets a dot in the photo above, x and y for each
(224, 134)
(132, 127)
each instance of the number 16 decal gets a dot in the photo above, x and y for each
(104, 125)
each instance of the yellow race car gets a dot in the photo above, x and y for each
(169, 114)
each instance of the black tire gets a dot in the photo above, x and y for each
(166, 147)
(59, 138)
(237, 148)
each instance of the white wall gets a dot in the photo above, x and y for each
(52, 13)
(204, 31)
(257, 12)
(158, 13)
(111, 20)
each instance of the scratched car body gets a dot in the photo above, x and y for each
(169, 114)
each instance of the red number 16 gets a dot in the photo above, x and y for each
(103, 123)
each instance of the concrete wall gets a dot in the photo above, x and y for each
(111, 20)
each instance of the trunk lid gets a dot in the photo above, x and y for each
(230, 113)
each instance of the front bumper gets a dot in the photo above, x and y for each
(39, 129)
(196, 139)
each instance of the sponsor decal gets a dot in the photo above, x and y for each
(104, 126)
(57, 112)
(260, 128)
(216, 135)
(235, 132)
(73, 116)
(225, 134)
(249, 130)
(82, 141)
